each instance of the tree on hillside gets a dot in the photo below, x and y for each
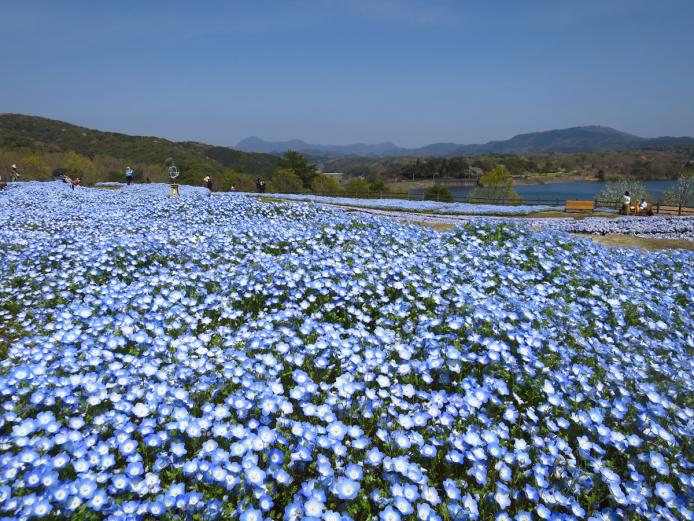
(33, 167)
(285, 181)
(357, 185)
(77, 165)
(298, 164)
(377, 185)
(324, 184)
(496, 184)
(683, 192)
(240, 181)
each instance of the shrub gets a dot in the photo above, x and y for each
(285, 181)
(239, 180)
(439, 193)
(33, 167)
(324, 184)
(357, 185)
(80, 166)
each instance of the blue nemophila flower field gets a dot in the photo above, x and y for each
(219, 357)
(418, 206)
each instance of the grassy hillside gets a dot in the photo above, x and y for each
(22, 136)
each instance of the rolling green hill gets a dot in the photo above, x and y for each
(47, 138)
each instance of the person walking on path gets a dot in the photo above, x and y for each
(626, 201)
(258, 184)
(129, 174)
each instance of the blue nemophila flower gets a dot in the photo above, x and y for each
(346, 488)
(41, 508)
(281, 354)
(251, 514)
(313, 508)
(664, 491)
(390, 514)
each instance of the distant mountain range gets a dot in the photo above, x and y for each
(255, 144)
(568, 140)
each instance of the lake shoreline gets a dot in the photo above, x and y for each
(556, 190)
(548, 179)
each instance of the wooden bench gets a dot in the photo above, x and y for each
(579, 206)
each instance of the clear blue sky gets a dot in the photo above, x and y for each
(413, 72)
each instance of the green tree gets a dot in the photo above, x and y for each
(496, 184)
(439, 193)
(285, 181)
(357, 185)
(80, 166)
(33, 167)
(298, 164)
(240, 181)
(377, 185)
(325, 184)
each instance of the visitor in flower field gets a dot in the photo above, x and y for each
(626, 201)
(208, 183)
(258, 185)
(15, 174)
(75, 181)
(129, 174)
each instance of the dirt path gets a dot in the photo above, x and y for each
(448, 222)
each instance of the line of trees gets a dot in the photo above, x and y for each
(295, 173)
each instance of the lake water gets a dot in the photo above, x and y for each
(563, 191)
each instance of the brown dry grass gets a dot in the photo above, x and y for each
(629, 241)
(439, 227)
(554, 214)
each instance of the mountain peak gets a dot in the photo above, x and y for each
(588, 138)
(256, 144)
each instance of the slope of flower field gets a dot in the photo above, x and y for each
(219, 357)
(417, 206)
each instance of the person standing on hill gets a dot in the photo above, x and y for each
(626, 201)
(129, 174)
(75, 181)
